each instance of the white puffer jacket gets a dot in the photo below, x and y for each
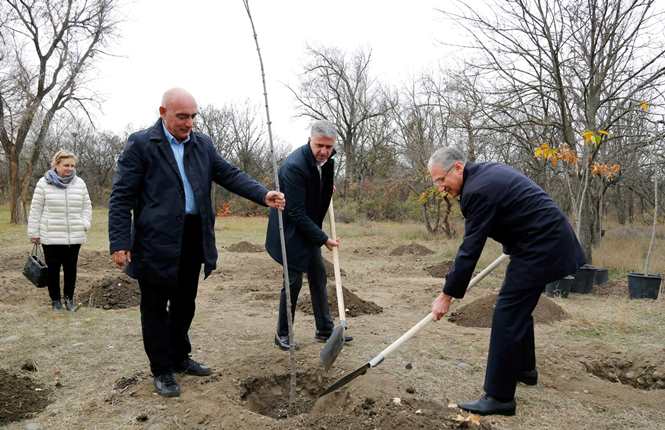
(60, 216)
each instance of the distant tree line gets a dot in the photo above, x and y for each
(568, 92)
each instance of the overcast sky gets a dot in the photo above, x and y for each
(207, 48)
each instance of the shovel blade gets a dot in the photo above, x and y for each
(346, 379)
(333, 347)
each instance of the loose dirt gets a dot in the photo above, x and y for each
(245, 247)
(353, 305)
(439, 270)
(118, 292)
(411, 249)
(644, 373)
(269, 396)
(21, 397)
(479, 312)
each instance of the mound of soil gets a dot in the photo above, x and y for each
(245, 247)
(21, 397)
(117, 292)
(479, 312)
(411, 249)
(330, 270)
(439, 270)
(614, 288)
(353, 304)
(638, 372)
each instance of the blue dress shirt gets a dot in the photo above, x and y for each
(178, 149)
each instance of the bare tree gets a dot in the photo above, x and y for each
(422, 127)
(567, 74)
(50, 46)
(340, 89)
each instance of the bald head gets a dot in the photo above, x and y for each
(178, 110)
(175, 95)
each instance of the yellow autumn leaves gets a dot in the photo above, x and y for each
(564, 153)
(553, 155)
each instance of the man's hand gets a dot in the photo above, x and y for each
(330, 244)
(122, 258)
(35, 240)
(275, 199)
(440, 306)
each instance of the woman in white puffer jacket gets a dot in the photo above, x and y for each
(60, 217)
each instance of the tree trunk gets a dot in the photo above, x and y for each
(586, 232)
(16, 208)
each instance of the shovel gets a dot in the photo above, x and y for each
(335, 342)
(406, 336)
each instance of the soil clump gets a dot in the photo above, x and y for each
(353, 304)
(640, 372)
(245, 246)
(479, 312)
(411, 249)
(117, 292)
(21, 397)
(439, 270)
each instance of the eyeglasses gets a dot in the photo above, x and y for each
(439, 181)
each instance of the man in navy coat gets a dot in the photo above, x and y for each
(500, 203)
(306, 177)
(162, 228)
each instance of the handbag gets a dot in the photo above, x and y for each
(35, 268)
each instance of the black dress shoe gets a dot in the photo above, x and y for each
(192, 367)
(323, 337)
(282, 342)
(528, 377)
(166, 385)
(487, 405)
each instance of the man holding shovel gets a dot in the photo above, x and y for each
(500, 203)
(306, 179)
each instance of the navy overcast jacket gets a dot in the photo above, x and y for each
(503, 204)
(147, 203)
(307, 200)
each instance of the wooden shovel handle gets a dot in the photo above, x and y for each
(427, 319)
(338, 273)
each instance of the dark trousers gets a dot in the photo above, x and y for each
(316, 277)
(512, 345)
(167, 309)
(65, 256)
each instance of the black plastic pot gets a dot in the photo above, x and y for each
(641, 286)
(560, 288)
(601, 276)
(584, 279)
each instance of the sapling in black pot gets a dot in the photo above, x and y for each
(646, 285)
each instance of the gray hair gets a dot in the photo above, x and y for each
(323, 127)
(446, 157)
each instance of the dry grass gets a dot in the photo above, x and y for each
(624, 248)
(88, 351)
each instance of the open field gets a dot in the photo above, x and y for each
(91, 368)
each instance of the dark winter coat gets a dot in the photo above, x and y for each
(147, 203)
(307, 200)
(505, 205)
